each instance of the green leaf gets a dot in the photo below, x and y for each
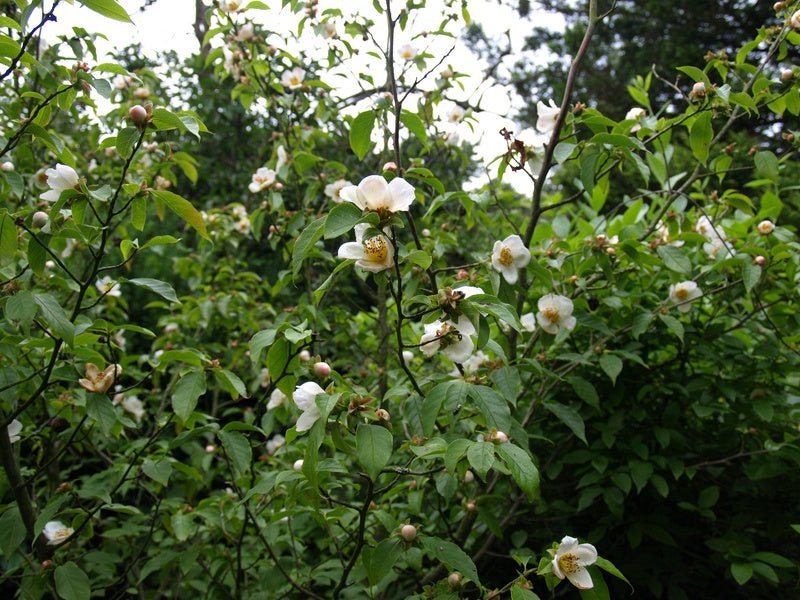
(481, 457)
(108, 8)
(71, 582)
(383, 559)
(373, 448)
(420, 258)
(415, 126)
(238, 450)
(186, 393)
(164, 120)
(184, 209)
(673, 325)
(451, 556)
(569, 417)
(524, 472)
(139, 213)
(584, 390)
(13, 532)
(157, 471)
(99, 408)
(8, 238)
(56, 318)
(696, 74)
(126, 139)
(341, 219)
(675, 260)
(162, 288)
(609, 567)
(612, 366)
(518, 593)
(231, 383)
(563, 151)
(742, 572)
(491, 305)
(493, 407)
(360, 132)
(700, 136)
(305, 242)
(767, 165)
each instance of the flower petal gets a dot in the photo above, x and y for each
(350, 194)
(402, 194)
(307, 419)
(510, 274)
(461, 350)
(374, 192)
(581, 579)
(586, 553)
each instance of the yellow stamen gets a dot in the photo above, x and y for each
(551, 314)
(568, 563)
(376, 249)
(505, 257)
(681, 293)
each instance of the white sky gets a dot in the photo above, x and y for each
(167, 25)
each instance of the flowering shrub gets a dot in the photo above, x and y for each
(207, 385)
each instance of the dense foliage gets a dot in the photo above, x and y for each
(263, 337)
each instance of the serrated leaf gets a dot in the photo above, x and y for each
(584, 390)
(383, 559)
(165, 120)
(162, 288)
(13, 532)
(451, 556)
(700, 136)
(360, 132)
(231, 383)
(673, 325)
(8, 239)
(186, 392)
(184, 209)
(373, 448)
(742, 572)
(493, 407)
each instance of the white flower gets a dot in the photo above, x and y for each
(548, 115)
(108, 287)
(474, 362)
(448, 337)
(298, 464)
(245, 33)
(293, 79)
(14, 428)
(766, 227)
(275, 442)
(99, 381)
(242, 226)
(282, 158)
(683, 294)
(374, 254)
(373, 193)
(59, 179)
(305, 398)
(795, 21)
(714, 245)
(554, 313)
(528, 322)
(134, 406)
(233, 61)
(56, 532)
(171, 328)
(635, 114)
(456, 114)
(509, 256)
(262, 179)
(230, 6)
(263, 377)
(408, 355)
(706, 228)
(571, 560)
(664, 237)
(329, 29)
(276, 398)
(333, 190)
(407, 52)
(7, 166)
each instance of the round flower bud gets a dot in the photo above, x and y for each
(426, 232)
(471, 506)
(778, 6)
(138, 115)
(766, 227)
(390, 166)
(787, 75)
(699, 90)
(408, 533)
(47, 564)
(469, 477)
(298, 464)
(210, 448)
(7, 166)
(760, 261)
(408, 355)
(611, 251)
(383, 414)
(454, 579)
(304, 356)
(501, 437)
(322, 369)
(462, 275)
(39, 219)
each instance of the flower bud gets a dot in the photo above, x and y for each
(304, 356)
(760, 261)
(141, 93)
(7, 166)
(611, 251)
(426, 232)
(47, 564)
(501, 437)
(698, 90)
(408, 533)
(408, 355)
(469, 477)
(390, 166)
(454, 579)
(787, 75)
(138, 114)
(58, 424)
(462, 275)
(766, 227)
(39, 219)
(322, 369)
(779, 6)
(210, 448)
(298, 464)
(383, 414)
(471, 506)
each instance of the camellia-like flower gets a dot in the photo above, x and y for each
(528, 322)
(509, 256)
(766, 227)
(635, 114)
(59, 179)
(333, 190)
(373, 254)
(230, 6)
(262, 179)
(547, 116)
(276, 398)
(275, 442)
(571, 560)
(795, 21)
(134, 406)
(305, 398)
(14, 429)
(374, 194)
(554, 313)
(456, 114)
(683, 294)
(407, 52)
(56, 532)
(293, 79)
(448, 337)
(99, 381)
